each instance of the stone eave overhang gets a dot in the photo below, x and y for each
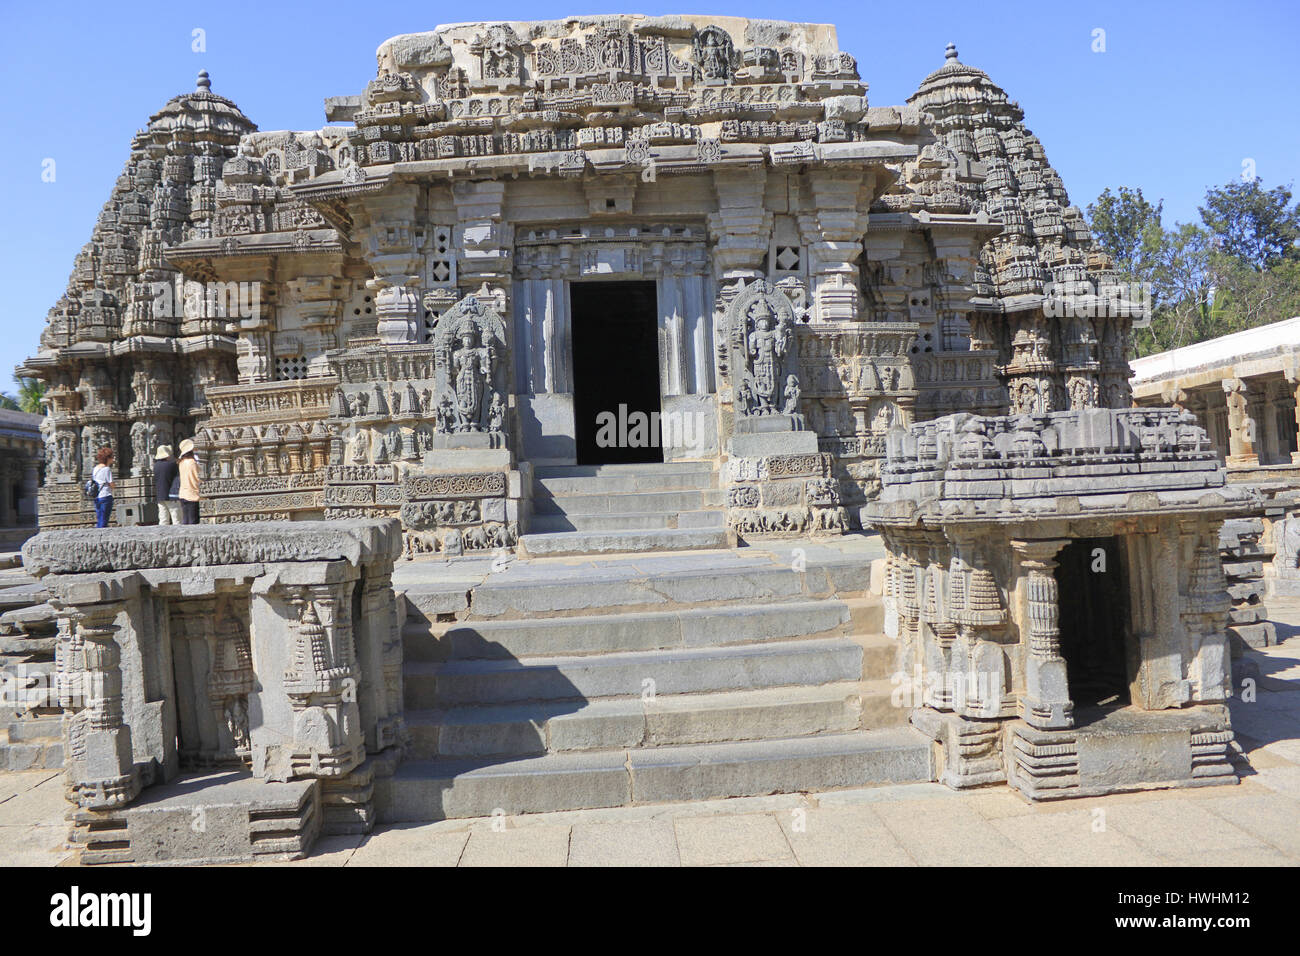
(976, 224)
(365, 180)
(136, 345)
(1284, 359)
(299, 242)
(933, 514)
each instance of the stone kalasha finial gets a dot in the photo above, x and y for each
(203, 82)
(951, 52)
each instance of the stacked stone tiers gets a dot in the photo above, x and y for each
(1086, 463)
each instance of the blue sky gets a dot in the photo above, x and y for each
(1183, 94)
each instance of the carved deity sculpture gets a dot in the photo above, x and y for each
(761, 333)
(471, 366)
(469, 354)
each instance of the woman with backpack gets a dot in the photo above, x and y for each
(102, 476)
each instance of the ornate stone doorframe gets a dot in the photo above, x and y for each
(674, 256)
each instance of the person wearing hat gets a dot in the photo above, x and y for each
(189, 491)
(167, 485)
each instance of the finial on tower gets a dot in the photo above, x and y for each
(951, 52)
(203, 82)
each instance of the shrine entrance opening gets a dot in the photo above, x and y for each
(615, 372)
(1094, 622)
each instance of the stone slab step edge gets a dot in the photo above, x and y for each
(639, 501)
(645, 468)
(630, 723)
(625, 521)
(442, 789)
(688, 671)
(640, 591)
(542, 637)
(565, 486)
(625, 541)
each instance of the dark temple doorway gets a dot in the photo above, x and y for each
(1094, 602)
(615, 372)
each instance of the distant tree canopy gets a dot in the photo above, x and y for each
(31, 392)
(1237, 268)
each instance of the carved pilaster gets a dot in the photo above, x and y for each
(1241, 426)
(1047, 701)
(99, 768)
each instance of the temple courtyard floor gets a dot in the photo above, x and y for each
(1254, 823)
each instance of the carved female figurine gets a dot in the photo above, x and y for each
(445, 417)
(496, 414)
(791, 406)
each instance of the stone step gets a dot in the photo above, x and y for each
(626, 521)
(631, 674)
(649, 631)
(658, 582)
(424, 790)
(616, 484)
(627, 723)
(645, 468)
(565, 543)
(36, 729)
(640, 501)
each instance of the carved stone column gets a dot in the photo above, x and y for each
(390, 248)
(1046, 703)
(1241, 438)
(833, 232)
(98, 765)
(1295, 387)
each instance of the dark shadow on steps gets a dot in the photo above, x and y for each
(471, 705)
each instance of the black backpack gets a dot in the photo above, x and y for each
(90, 489)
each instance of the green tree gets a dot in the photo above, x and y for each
(31, 395)
(1256, 225)
(1127, 227)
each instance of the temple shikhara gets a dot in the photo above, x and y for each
(606, 285)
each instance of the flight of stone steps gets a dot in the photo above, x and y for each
(603, 509)
(647, 679)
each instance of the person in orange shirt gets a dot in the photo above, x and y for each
(190, 493)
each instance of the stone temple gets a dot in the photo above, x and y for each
(596, 287)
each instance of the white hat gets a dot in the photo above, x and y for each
(164, 451)
(187, 446)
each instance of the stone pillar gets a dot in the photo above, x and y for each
(390, 249)
(1046, 702)
(1294, 383)
(741, 229)
(832, 232)
(99, 767)
(27, 504)
(1241, 438)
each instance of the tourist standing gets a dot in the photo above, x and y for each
(167, 486)
(103, 476)
(189, 491)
